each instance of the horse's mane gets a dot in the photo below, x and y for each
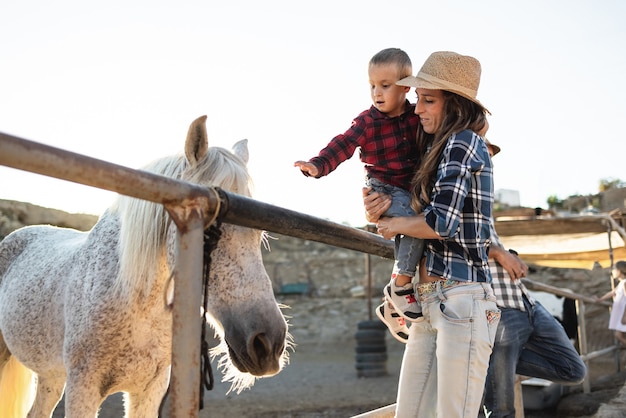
(144, 224)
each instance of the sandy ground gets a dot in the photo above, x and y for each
(321, 381)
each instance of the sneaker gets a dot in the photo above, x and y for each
(395, 323)
(403, 300)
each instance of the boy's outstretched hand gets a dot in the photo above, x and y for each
(307, 168)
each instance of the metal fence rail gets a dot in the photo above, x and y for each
(191, 208)
(236, 209)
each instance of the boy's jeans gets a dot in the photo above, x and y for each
(447, 355)
(407, 250)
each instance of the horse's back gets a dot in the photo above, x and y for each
(32, 245)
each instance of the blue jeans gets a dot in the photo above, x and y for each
(533, 344)
(407, 250)
(447, 355)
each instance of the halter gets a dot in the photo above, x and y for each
(212, 236)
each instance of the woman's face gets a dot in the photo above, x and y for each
(429, 108)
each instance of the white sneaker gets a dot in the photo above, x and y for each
(403, 300)
(395, 323)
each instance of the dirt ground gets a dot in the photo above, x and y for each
(318, 382)
(321, 382)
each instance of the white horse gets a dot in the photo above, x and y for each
(86, 311)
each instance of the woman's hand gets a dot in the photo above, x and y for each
(385, 227)
(375, 204)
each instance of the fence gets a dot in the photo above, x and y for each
(190, 207)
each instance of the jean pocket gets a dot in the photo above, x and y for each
(493, 319)
(457, 309)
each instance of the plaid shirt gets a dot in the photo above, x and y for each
(388, 146)
(509, 293)
(460, 211)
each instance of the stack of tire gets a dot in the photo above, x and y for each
(371, 349)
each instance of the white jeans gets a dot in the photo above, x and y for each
(447, 355)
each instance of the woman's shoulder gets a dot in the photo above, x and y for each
(467, 145)
(467, 135)
(465, 138)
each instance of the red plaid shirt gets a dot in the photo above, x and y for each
(388, 146)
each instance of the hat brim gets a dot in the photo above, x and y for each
(421, 83)
(494, 148)
(410, 81)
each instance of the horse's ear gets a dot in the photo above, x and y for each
(197, 143)
(241, 150)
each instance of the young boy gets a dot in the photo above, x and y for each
(386, 136)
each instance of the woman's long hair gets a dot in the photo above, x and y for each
(459, 114)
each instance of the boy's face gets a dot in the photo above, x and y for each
(386, 96)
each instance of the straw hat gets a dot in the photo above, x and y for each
(445, 70)
(494, 148)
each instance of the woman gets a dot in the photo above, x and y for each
(617, 321)
(447, 355)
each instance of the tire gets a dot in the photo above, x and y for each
(370, 365)
(370, 335)
(370, 348)
(371, 357)
(373, 324)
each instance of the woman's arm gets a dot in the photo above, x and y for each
(375, 206)
(464, 173)
(413, 226)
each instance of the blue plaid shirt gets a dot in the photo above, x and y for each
(460, 211)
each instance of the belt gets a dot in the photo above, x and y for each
(424, 288)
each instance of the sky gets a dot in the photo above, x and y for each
(122, 80)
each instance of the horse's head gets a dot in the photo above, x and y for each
(241, 305)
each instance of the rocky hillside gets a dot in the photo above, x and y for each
(15, 215)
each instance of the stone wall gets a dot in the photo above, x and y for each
(337, 279)
(332, 272)
(329, 271)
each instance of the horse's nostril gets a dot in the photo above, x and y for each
(260, 346)
(280, 349)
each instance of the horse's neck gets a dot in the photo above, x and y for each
(142, 273)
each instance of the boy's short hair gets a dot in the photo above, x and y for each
(394, 56)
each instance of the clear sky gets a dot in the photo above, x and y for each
(122, 80)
